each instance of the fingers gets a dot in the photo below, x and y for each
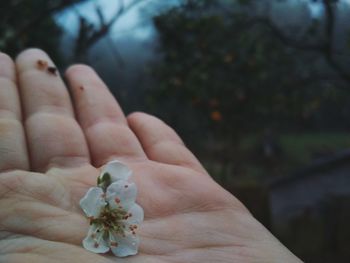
(13, 150)
(161, 143)
(101, 118)
(54, 136)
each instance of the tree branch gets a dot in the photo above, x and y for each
(325, 48)
(88, 36)
(329, 44)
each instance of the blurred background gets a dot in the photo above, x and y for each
(258, 89)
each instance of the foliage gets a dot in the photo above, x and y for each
(236, 75)
(26, 24)
(15, 17)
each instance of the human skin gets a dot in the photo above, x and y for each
(52, 146)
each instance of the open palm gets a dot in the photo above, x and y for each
(50, 146)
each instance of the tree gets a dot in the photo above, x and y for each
(240, 74)
(31, 23)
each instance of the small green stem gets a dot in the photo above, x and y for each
(104, 181)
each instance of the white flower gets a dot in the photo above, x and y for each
(114, 215)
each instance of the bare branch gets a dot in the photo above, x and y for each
(329, 45)
(325, 48)
(88, 39)
(100, 14)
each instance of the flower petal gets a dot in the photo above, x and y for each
(137, 215)
(94, 241)
(121, 194)
(125, 246)
(117, 171)
(93, 202)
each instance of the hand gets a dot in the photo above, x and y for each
(49, 151)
